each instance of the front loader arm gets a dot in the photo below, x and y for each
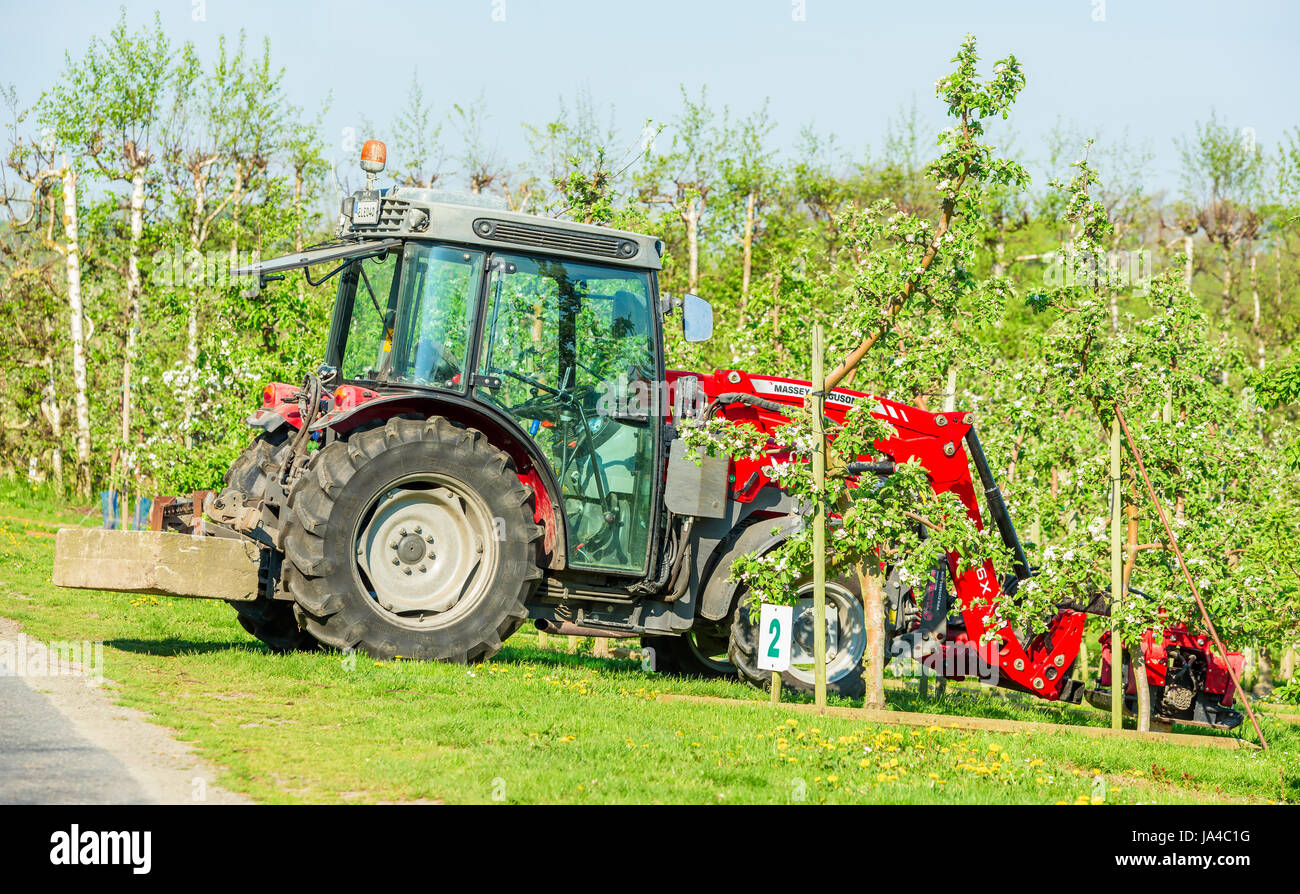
(946, 444)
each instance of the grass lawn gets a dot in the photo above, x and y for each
(538, 725)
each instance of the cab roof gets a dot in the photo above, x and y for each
(416, 213)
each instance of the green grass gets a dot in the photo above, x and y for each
(537, 725)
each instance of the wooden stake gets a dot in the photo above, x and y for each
(819, 520)
(1116, 584)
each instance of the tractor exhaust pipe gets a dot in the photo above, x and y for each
(568, 628)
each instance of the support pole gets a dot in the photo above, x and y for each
(1116, 582)
(776, 687)
(819, 519)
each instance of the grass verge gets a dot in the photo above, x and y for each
(537, 725)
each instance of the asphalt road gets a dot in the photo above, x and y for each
(43, 760)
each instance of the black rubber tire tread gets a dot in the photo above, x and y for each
(743, 652)
(270, 620)
(337, 488)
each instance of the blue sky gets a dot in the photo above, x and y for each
(1147, 68)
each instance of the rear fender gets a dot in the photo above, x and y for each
(530, 465)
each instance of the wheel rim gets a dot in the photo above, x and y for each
(425, 550)
(710, 649)
(846, 639)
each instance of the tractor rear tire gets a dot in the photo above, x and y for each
(415, 539)
(270, 620)
(844, 670)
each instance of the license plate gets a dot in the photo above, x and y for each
(366, 211)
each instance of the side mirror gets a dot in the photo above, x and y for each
(697, 318)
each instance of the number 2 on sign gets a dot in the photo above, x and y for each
(775, 622)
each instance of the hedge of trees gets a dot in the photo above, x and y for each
(134, 182)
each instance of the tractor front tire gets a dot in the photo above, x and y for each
(415, 539)
(270, 620)
(843, 669)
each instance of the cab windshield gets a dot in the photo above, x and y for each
(407, 316)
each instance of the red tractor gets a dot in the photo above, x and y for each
(491, 441)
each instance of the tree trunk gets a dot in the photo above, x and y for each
(693, 244)
(133, 312)
(76, 328)
(1288, 665)
(54, 415)
(1225, 308)
(1138, 667)
(189, 391)
(1264, 683)
(873, 659)
(999, 256)
(1257, 329)
(775, 315)
(297, 223)
(297, 210)
(1189, 249)
(1277, 277)
(1138, 663)
(747, 257)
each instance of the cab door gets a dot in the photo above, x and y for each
(563, 342)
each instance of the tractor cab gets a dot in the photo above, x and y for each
(543, 325)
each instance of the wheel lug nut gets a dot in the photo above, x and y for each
(392, 544)
(402, 532)
(406, 570)
(423, 568)
(396, 561)
(419, 530)
(428, 538)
